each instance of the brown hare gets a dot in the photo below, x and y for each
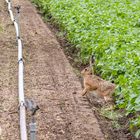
(94, 83)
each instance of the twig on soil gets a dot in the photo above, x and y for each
(13, 112)
(56, 99)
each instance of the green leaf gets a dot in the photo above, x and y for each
(137, 134)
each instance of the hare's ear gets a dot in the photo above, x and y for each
(92, 60)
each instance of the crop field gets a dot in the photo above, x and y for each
(111, 30)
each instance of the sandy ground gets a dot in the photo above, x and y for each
(49, 80)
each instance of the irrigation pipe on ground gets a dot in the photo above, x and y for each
(23, 104)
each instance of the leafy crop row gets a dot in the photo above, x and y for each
(111, 30)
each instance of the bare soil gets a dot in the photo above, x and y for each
(49, 80)
(8, 78)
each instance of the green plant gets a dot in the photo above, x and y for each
(135, 126)
(110, 113)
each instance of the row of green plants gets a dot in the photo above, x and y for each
(111, 30)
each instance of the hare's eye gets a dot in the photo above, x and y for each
(85, 69)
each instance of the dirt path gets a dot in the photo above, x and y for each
(8, 78)
(49, 80)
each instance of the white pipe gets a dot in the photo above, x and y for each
(11, 15)
(20, 78)
(16, 28)
(9, 5)
(10, 10)
(23, 130)
(19, 49)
